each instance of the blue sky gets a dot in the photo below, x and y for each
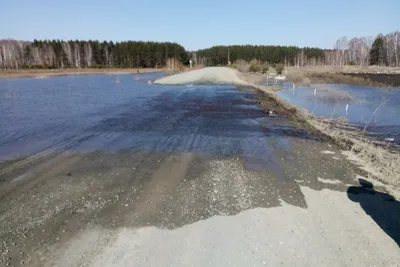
(200, 24)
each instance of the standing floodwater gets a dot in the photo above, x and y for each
(112, 113)
(376, 108)
(41, 113)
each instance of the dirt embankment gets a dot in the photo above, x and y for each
(314, 75)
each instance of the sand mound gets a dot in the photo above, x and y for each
(217, 75)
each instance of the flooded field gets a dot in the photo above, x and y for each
(377, 109)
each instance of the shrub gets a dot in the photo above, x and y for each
(279, 68)
(98, 66)
(265, 69)
(241, 65)
(254, 68)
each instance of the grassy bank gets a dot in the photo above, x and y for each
(372, 76)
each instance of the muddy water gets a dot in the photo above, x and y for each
(96, 113)
(378, 108)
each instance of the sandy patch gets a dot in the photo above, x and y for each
(328, 152)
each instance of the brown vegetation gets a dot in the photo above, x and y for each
(346, 75)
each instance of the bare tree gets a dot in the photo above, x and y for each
(340, 48)
(88, 54)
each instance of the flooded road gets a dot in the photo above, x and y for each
(99, 173)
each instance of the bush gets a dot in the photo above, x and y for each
(98, 66)
(279, 68)
(241, 65)
(265, 69)
(254, 68)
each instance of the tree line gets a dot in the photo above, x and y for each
(81, 54)
(288, 55)
(383, 50)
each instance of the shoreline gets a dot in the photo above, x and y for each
(307, 76)
(39, 73)
(379, 161)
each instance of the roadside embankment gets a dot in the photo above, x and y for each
(376, 158)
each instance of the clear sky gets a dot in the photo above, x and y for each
(202, 23)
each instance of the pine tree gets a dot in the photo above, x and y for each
(377, 55)
(28, 56)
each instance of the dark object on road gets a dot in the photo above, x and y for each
(69, 174)
(383, 208)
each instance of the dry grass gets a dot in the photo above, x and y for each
(308, 76)
(333, 96)
(374, 157)
(347, 75)
(244, 66)
(241, 65)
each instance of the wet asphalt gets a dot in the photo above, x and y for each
(163, 156)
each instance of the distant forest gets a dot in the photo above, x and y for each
(52, 54)
(289, 55)
(383, 50)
